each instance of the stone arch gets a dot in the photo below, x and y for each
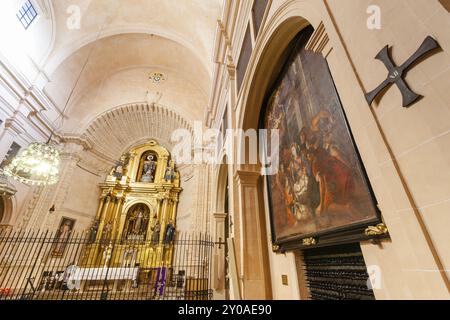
(125, 126)
(221, 232)
(222, 183)
(131, 204)
(272, 43)
(6, 210)
(268, 57)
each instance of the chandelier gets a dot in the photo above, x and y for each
(38, 165)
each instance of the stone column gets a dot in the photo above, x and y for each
(253, 259)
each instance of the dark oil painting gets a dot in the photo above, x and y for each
(320, 186)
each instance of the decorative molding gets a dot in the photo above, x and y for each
(158, 77)
(320, 42)
(118, 129)
(220, 215)
(309, 242)
(378, 230)
(247, 177)
(75, 139)
(224, 32)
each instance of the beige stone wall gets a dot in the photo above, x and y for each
(82, 198)
(282, 265)
(410, 172)
(405, 151)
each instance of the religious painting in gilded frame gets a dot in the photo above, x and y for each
(62, 236)
(320, 195)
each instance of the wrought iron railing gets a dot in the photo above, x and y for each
(41, 266)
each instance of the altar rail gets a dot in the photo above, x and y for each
(41, 266)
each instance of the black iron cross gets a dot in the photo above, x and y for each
(396, 73)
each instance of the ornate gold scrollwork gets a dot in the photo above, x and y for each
(378, 230)
(275, 248)
(309, 242)
(129, 210)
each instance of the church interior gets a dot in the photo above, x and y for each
(224, 150)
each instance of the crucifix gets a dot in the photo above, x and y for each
(396, 73)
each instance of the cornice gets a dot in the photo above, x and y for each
(320, 41)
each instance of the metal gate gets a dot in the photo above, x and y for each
(40, 266)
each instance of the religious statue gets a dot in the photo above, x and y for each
(64, 232)
(129, 258)
(170, 233)
(138, 223)
(156, 231)
(107, 254)
(119, 168)
(149, 169)
(107, 230)
(170, 172)
(93, 232)
(69, 282)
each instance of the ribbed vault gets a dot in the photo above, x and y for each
(117, 130)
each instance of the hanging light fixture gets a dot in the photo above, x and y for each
(38, 165)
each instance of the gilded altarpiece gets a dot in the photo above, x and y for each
(136, 217)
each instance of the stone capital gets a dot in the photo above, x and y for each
(220, 215)
(247, 177)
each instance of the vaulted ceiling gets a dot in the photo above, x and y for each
(122, 42)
